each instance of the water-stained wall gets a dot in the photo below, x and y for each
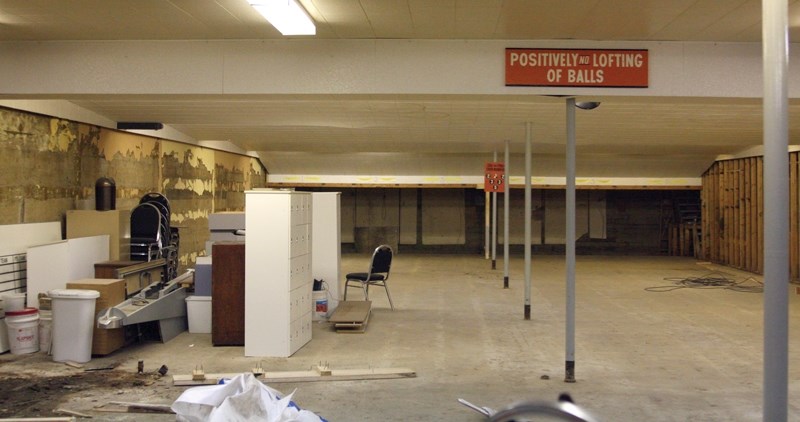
(50, 165)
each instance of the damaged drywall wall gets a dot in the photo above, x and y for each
(41, 167)
(187, 181)
(50, 165)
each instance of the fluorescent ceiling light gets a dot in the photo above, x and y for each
(287, 16)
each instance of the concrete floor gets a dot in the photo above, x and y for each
(684, 355)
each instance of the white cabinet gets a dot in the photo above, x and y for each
(327, 244)
(278, 279)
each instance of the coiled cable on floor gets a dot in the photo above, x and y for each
(712, 280)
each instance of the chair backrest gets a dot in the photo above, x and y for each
(146, 222)
(162, 203)
(381, 260)
(156, 197)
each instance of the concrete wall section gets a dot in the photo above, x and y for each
(452, 220)
(408, 216)
(443, 217)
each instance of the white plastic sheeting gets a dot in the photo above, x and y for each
(243, 398)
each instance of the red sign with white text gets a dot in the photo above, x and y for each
(576, 68)
(495, 178)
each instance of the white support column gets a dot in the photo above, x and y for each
(487, 211)
(494, 223)
(776, 210)
(570, 243)
(528, 142)
(506, 204)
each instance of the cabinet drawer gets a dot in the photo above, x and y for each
(300, 271)
(300, 332)
(300, 301)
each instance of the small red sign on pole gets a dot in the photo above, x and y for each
(495, 177)
(576, 67)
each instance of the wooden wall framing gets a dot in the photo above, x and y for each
(733, 214)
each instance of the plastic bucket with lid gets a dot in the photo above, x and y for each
(73, 324)
(13, 301)
(23, 330)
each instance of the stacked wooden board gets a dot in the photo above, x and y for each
(351, 316)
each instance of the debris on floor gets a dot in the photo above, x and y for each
(128, 407)
(242, 398)
(28, 395)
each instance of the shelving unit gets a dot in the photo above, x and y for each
(278, 278)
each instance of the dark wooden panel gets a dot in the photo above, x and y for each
(227, 293)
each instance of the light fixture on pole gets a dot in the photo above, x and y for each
(287, 16)
(587, 105)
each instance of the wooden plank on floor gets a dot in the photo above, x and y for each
(351, 311)
(351, 317)
(304, 376)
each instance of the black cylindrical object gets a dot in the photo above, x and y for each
(105, 194)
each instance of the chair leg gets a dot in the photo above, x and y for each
(365, 286)
(346, 285)
(389, 295)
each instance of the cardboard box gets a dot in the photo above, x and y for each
(112, 293)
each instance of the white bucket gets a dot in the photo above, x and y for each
(13, 301)
(73, 324)
(319, 299)
(23, 330)
(45, 330)
(198, 311)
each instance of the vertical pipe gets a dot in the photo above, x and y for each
(776, 210)
(528, 136)
(506, 202)
(494, 224)
(570, 242)
(487, 212)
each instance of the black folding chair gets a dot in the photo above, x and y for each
(146, 233)
(378, 274)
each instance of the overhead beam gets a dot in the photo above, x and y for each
(350, 67)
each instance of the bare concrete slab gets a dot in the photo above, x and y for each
(680, 355)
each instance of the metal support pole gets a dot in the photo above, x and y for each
(776, 210)
(494, 224)
(528, 136)
(570, 242)
(487, 208)
(506, 202)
